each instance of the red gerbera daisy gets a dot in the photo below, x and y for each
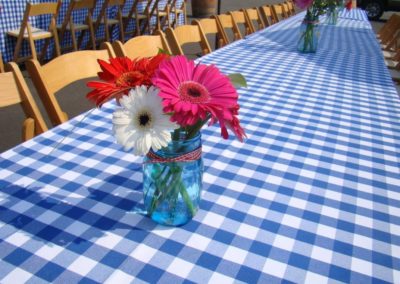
(121, 75)
(349, 5)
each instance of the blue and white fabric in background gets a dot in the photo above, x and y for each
(12, 11)
(312, 196)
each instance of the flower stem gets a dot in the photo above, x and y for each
(187, 199)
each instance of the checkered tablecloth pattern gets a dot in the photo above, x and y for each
(312, 196)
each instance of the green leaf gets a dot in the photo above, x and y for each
(238, 80)
(163, 51)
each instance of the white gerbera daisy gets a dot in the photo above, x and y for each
(141, 123)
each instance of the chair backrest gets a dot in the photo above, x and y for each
(277, 12)
(33, 10)
(62, 71)
(142, 46)
(386, 25)
(253, 15)
(240, 19)
(267, 15)
(285, 9)
(291, 7)
(226, 22)
(387, 35)
(42, 8)
(13, 90)
(210, 26)
(184, 34)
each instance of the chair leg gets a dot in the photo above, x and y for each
(17, 48)
(53, 28)
(44, 50)
(31, 42)
(73, 37)
(92, 34)
(137, 27)
(121, 27)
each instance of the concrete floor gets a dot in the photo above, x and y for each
(72, 98)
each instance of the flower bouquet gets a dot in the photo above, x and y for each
(308, 40)
(164, 101)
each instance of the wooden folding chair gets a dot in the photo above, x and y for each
(184, 34)
(226, 22)
(14, 90)
(27, 32)
(389, 43)
(139, 18)
(253, 15)
(290, 5)
(62, 71)
(278, 13)
(267, 15)
(162, 15)
(286, 10)
(386, 27)
(178, 11)
(110, 23)
(69, 25)
(142, 46)
(389, 34)
(210, 27)
(240, 19)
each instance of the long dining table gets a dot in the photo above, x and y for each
(311, 196)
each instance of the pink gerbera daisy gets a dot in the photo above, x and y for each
(194, 92)
(302, 4)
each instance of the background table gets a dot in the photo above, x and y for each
(12, 12)
(312, 196)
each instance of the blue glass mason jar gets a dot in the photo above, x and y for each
(332, 15)
(172, 182)
(309, 35)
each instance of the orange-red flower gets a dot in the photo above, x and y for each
(349, 4)
(121, 75)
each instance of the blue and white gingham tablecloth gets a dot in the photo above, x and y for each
(312, 196)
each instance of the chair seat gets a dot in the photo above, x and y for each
(111, 21)
(36, 33)
(175, 10)
(388, 54)
(77, 27)
(139, 16)
(395, 75)
(391, 64)
(162, 14)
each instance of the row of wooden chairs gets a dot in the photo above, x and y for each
(389, 39)
(58, 73)
(250, 20)
(122, 21)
